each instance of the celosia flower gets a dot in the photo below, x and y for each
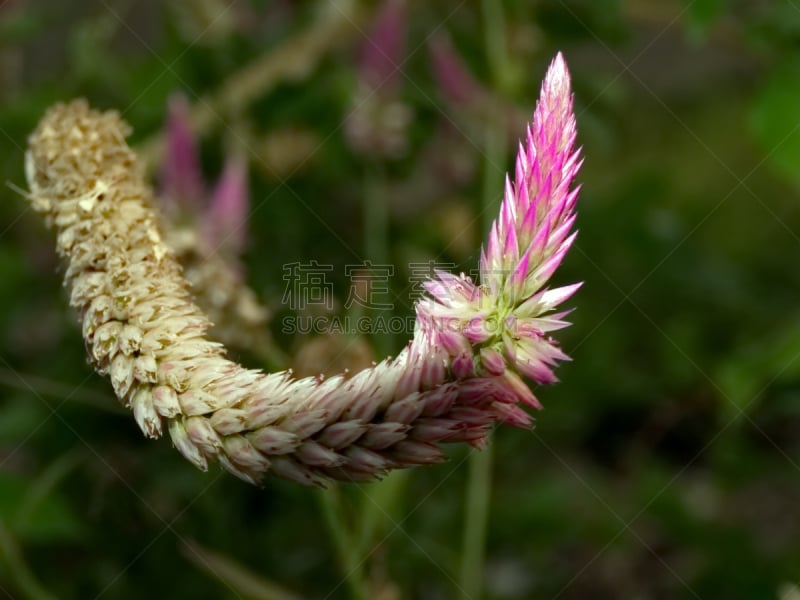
(457, 377)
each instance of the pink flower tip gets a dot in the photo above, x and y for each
(558, 74)
(531, 235)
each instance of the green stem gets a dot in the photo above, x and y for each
(479, 487)
(495, 40)
(376, 218)
(344, 542)
(495, 135)
(377, 507)
(376, 246)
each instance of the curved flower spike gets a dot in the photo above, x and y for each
(458, 376)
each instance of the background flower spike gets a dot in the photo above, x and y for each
(142, 328)
(182, 180)
(224, 221)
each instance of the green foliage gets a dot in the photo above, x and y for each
(37, 519)
(666, 462)
(703, 15)
(775, 119)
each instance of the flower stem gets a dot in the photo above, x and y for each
(380, 502)
(343, 540)
(476, 518)
(376, 246)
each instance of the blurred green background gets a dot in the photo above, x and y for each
(666, 463)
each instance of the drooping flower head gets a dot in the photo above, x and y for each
(459, 375)
(508, 317)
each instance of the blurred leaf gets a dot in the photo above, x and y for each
(243, 582)
(50, 521)
(788, 591)
(702, 15)
(19, 416)
(43, 487)
(766, 361)
(775, 120)
(19, 26)
(91, 58)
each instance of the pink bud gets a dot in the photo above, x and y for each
(435, 430)
(452, 341)
(493, 361)
(511, 414)
(462, 366)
